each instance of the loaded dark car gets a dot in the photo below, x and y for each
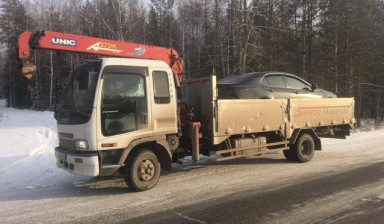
(269, 85)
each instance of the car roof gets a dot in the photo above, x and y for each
(257, 76)
(242, 78)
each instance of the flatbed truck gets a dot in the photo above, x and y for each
(130, 114)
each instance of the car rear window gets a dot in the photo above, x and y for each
(265, 81)
(276, 81)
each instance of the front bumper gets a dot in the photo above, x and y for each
(86, 164)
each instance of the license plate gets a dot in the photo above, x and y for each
(62, 156)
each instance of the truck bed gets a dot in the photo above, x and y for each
(221, 119)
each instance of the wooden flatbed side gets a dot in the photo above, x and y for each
(224, 118)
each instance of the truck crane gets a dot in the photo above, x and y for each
(82, 44)
(122, 114)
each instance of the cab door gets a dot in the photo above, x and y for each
(164, 102)
(124, 106)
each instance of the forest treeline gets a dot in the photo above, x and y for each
(337, 44)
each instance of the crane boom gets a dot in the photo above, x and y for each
(83, 44)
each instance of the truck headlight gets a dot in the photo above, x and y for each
(81, 144)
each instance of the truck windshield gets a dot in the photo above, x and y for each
(76, 107)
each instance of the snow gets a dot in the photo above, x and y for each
(28, 139)
(27, 156)
(31, 184)
(369, 125)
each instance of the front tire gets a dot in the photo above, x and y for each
(142, 171)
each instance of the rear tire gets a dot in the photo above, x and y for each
(303, 150)
(142, 170)
(289, 155)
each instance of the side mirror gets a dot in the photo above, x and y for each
(314, 86)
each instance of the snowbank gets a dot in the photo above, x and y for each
(27, 156)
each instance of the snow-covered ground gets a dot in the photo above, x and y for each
(30, 183)
(27, 141)
(369, 125)
(27, 146)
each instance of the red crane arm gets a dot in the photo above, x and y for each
(90, 45)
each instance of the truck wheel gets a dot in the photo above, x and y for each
(289, 155)
(142, 171)
(304, 148)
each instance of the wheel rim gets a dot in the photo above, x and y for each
(146, 170)
(305, 148)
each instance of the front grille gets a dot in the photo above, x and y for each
(65, 135)
(67, 144)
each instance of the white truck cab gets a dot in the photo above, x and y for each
(115, 104)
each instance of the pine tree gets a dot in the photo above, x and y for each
(166, 21)
(87, 19)
(153, 27)
(13, 21)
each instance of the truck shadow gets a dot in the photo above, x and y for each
(100, 186)
(251, 161)
(206, 162)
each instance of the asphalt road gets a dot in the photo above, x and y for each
(344, 183)
(254, 207)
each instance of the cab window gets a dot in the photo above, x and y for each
(161, 87)
(124, 102)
